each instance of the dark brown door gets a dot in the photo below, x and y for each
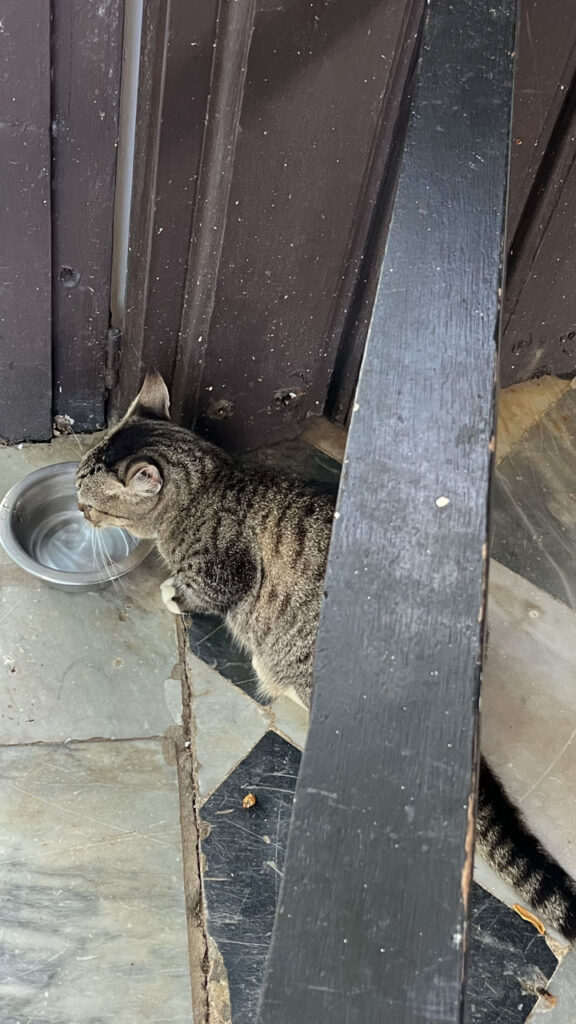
(265, 150)
(25, 301)
(540, 296)
(59, 93)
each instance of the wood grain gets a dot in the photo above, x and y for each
(25, 271)
(87, 60)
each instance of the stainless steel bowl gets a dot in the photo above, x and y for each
(43, 531)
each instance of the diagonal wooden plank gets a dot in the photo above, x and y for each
(372, 920)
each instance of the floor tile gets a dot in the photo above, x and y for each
(244, 857)
(330, 437)
(507, 960)
(521, 405)
(93, 924)
(529, 706)
(534, 503)
(78, 666)
(562, 988)
(227, 724)
(291, 720)
(210, 641)
(86, 665)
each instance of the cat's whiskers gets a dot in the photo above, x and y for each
(75, 436)
(108, 562)
(93, 539)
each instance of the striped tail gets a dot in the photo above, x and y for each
(519, 857)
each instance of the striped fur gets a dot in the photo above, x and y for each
(251, 546)
(507, 843)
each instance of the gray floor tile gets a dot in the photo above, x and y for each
(86, 665)
(228, 724)
(92, 926)
(290, 720)
(529, 706)
(560, 1005)
(78, 666)
(534, 503)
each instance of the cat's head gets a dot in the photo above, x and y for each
(120, 482)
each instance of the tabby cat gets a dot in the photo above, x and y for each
(251, 546)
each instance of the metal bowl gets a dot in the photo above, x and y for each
(43, 531)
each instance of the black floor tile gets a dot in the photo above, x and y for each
(212, 643)
(245, 852)
(507, 959)
(244, 861)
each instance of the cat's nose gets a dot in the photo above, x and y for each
(84, 508)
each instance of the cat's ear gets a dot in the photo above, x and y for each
(153, 400)
(144, 478)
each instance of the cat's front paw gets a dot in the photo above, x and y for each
(168, 592)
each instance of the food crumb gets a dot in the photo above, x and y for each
(249, 801)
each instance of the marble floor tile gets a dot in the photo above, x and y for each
(290, 720)
(528, 721)
(79, 666)
(243, 863)
(329, 437)
(506, 961)
(521, 405)
(562, 987)
(93, 923)
(529, 705)
(533, 522)
(227, 724)
(212, 642)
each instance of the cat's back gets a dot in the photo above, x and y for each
(293, 523)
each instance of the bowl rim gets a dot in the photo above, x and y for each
(18, 554)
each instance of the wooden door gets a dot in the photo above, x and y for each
(540, 296)
(264, 132)
(59, 92)
(25, 224)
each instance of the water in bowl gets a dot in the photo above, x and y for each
(67, 542)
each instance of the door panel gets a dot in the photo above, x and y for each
(87, 61)
(297, 108)
(25, 332)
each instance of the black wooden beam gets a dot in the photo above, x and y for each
(371, 924)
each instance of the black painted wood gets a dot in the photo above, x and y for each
(372, 919)
(87, 60)
(25, 273)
